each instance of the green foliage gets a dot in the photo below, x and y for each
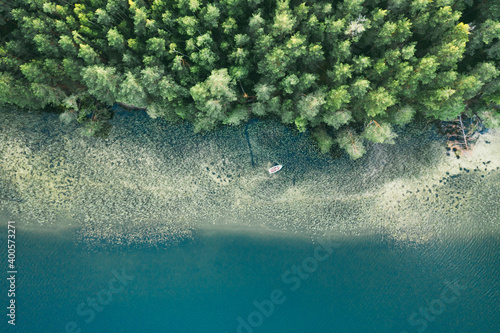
(320, 66)
(115, 39)
(284, 20)
(213, 97)
(92, 128)
(490, 118)
(379, 133)
(310, 105)
(301, 124)
(336, 98)
(211, 15)
(264, 92)
(360, 87)
(88, 54)
(351, 143)
(131, 91)
(102, 82)
(378, 101)
(325, 141)
(47, 94)
(237, 116)
(403, 115)
(338, 118)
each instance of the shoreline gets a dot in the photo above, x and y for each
(149, 171)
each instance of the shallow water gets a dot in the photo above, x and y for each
(206, 232)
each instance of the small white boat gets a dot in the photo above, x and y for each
(275, 169)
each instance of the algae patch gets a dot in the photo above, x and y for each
(151, 183)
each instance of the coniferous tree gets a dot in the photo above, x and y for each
(347, 70)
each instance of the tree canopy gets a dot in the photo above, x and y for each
(348, 70)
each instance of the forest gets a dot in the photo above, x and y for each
(349, 72)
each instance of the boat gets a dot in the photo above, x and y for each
(275, 169)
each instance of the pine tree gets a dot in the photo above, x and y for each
(322, 66)
(351, 143)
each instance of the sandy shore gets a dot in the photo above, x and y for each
(151, 182)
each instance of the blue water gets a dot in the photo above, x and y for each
(205, 285)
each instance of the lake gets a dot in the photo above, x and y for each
(363, 285)
(157, 229)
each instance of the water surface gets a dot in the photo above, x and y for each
(365, 285)
(207, 234)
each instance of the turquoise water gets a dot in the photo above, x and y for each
(204, 285)
(417, 246)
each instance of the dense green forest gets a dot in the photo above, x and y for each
(349, 71)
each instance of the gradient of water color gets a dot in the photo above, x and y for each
(365, 285)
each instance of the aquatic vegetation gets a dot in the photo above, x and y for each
(178, 182)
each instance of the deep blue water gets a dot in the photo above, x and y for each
(364, 285)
